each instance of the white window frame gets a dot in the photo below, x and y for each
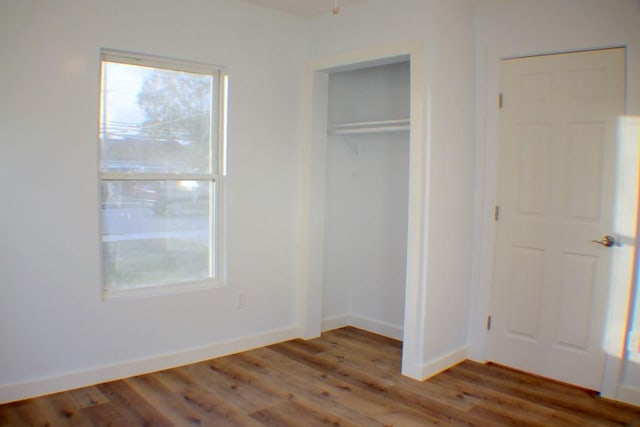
(217, 176)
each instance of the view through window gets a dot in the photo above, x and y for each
(158, 172)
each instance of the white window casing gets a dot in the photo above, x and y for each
(162, 165)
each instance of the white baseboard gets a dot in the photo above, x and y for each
(629, 394)
(446, 361)
(72, 380)
(335, 322)
(375, 326)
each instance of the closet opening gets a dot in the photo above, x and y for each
(366, 198)
(363, 197)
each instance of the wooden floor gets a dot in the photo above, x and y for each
(346, 378)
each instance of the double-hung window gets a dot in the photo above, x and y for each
(161, 156)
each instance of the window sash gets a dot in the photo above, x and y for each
(130, 58)
(131, 176)
(158, 233)
(217, 113)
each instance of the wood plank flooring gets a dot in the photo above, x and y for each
(348, 377)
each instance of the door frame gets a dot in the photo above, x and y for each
(485, 230)
(313, 170)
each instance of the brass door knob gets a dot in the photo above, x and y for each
(607, 241)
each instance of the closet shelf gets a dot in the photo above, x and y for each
(377, 126)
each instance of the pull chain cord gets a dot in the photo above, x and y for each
(335, 9)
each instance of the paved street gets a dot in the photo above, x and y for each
(136, 222)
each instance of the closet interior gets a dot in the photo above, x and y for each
(366, 198)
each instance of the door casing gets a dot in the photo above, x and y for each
(314, 165)
(555, 324)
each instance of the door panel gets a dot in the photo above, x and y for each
(524, 298)
(575, 299)
(558, 133)
(585, 149)
(534, 145)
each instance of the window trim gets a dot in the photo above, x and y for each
(217, 176)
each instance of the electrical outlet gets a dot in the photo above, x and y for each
(242, 300)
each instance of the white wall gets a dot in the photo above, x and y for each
(55, 331)
(445, 30)
(520, 28)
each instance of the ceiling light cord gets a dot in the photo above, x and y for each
(335, 9)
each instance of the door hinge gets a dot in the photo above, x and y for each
(500, 100)
(496, 213)
(488, 323)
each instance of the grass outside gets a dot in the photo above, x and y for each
(147, 262)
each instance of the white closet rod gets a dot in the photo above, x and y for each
(369, 127)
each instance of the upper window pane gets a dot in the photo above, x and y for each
(156, 120)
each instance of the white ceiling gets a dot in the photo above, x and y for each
(304, 7)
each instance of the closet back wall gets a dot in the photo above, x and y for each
(366, 201)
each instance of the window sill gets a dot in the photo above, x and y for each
(160, 290)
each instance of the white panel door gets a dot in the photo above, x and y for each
(558, 133)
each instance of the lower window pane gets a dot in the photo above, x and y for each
(156, 232)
